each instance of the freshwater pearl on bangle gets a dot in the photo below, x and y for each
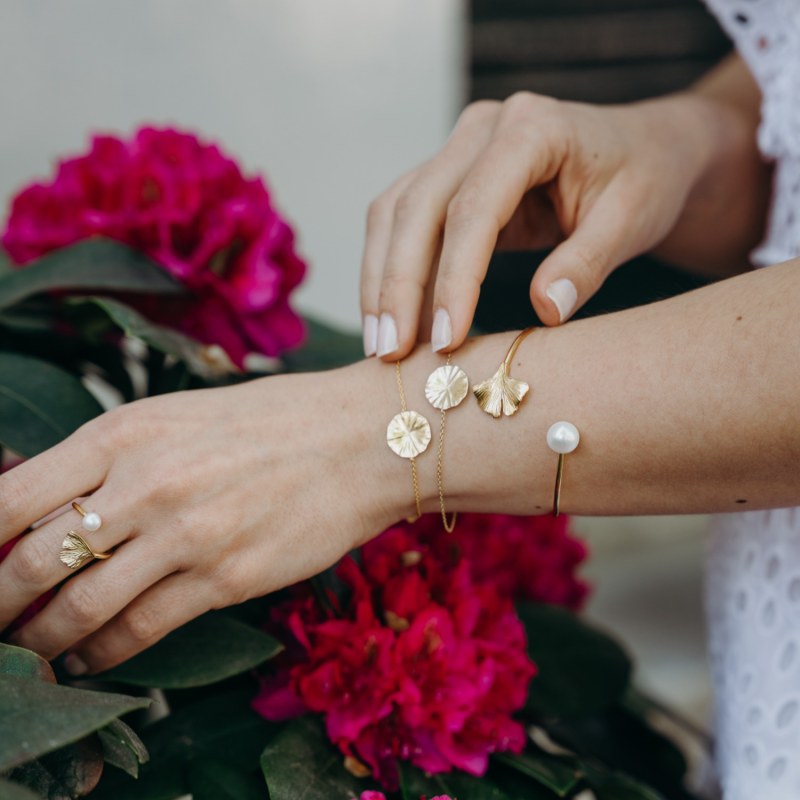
(563, 437)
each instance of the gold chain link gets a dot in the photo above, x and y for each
(414, 477)
(448, 525)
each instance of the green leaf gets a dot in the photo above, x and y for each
(71, 771)
(621, 787)
(122, 747)
(581, 669)
(220, 727)
(625, 742)
(213, 780)
(560, 774)
(40, 404)
(325, 348)
(415, 784)
(13, 791)
(24, 663)
(5, 263)
(37, 717)
(91, 264)
(198, 357)
(207, 650)
(299, 763)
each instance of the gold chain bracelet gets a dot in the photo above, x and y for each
(408, 435)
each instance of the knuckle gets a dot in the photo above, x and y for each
(113, 428)
(30, 561)
(464, 206)
(408, 202)
(397, 287)
(14, 497)
(478, 111)
(526, 104)
(377, 211)
(80, 605)
(227, 585)
(142, 625)
(590, 262)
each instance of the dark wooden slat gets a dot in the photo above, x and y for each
(674, 33)
(602, 84)
(497, 9)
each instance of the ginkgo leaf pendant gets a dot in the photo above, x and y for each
(502, 394)
(75, 551)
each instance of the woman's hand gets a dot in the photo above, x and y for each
(601, 184)
(208, 498)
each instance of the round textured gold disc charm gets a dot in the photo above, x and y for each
(408, 434)
(446, 387)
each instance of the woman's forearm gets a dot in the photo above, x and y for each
(724, 216)
(686, 405)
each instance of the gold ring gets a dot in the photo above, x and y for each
(75, 551)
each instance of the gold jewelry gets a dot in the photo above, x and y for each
(91, 521)
(408, 435)
(502, 394)
(75, 551)
(445, 388)
(562, 438)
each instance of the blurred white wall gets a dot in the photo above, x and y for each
(331, 100)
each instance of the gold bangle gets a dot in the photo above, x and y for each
(445, 388)
(562, 438)
(408, 434)
(502, 394)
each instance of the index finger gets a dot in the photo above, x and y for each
(38, 486)
(515, 161)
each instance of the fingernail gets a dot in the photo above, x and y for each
(370, 335)
(442, 331)
(387, 335)
(564, 294)
(75, 665)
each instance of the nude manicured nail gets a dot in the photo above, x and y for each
(75, 665)
(442, 331)
(387, 335)
(564, 294)
(370, 335)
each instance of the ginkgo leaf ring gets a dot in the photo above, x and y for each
(408, 434)
(75, 551)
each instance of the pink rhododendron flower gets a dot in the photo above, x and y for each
(426, 664)
(382, 796)
(532, 558)
(187, 206)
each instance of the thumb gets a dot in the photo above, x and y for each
(577, 268)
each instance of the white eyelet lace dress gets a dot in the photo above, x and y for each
(753, 574)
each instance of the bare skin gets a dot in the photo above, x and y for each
(213, 497)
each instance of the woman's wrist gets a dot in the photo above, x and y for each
(476, 475)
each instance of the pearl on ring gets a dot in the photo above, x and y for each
(92, 521)
(563, 437)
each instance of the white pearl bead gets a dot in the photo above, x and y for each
(92, 521)
(563, 437)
